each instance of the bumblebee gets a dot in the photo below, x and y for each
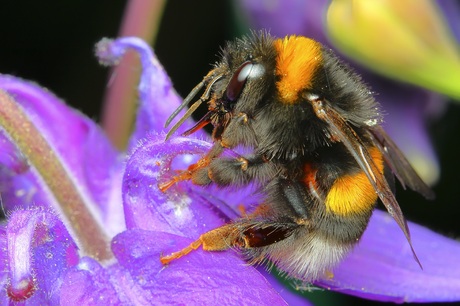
(316, 149)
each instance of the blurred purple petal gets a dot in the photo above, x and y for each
(382, 266)
(200, 278)
(451, 11)
(283, 18)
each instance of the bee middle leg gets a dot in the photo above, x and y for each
(237, 171)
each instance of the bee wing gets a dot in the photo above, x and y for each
(342, 131)
(398, 163)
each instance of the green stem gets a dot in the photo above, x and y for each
(79, 221)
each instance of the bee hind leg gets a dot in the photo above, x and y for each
(243, 234)
(218, 239)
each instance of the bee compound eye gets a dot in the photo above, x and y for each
(238, 80)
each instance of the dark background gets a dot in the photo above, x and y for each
(51, 42)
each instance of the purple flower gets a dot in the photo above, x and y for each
(60, 177)
(48, 257)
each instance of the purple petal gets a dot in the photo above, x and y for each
(382, 266)
(129, 290)
(88, 283)
(40, 251)
(158, 99)
(80, 143)
(289, 17)
(451, 11)
(177, 211)
(196, 280)
(4, 267)
(291, 297)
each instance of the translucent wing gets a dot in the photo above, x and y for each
(398, 163)
(344, 133)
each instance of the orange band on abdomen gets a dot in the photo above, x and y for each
(354, 193)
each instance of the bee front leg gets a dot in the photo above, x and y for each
(237, 171)
(194, 171)
(223, 171)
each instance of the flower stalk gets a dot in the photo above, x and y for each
(80, 222)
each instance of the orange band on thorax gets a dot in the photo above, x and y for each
(298, 58)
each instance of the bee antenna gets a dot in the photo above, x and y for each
(185, 117)
(185, 102)
(210, 79)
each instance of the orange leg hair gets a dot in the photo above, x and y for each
(218, 239)
(189, 174)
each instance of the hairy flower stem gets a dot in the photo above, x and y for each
(82, 225)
